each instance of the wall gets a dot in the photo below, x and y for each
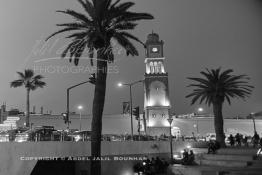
(13, 155)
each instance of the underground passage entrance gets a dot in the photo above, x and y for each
(54, 167)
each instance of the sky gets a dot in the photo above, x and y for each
(198, 34)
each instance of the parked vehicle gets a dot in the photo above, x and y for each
(190, 138)
(39, 133)
(80, 136)
(4, 136)
(112, 137)
(8, 136)
(210, 136)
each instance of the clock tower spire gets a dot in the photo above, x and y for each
(156, 101)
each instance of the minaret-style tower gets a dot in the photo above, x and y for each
(156, 102)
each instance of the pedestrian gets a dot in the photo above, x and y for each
(255, 139)
(231, 140)
(185, 157)
(260, 147)
(238, 139)
(245, 141)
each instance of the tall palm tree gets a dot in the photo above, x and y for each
(94, 31)
(31, 82)
(214, 89)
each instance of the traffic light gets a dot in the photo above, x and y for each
(136, 112)
(92, 79)
(65, 117)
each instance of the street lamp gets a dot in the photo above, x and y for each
(170, 120)
(80, 117)
(119, 84)
(91, 80)
(131, 103)
(254, 122)
(200, 109)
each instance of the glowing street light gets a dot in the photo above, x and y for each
(80, 116)
(120, 84)
(200, 109)
(80, 107)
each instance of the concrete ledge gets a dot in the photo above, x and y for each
(227, 157)
(224, 163)
(212, 170)
(237, 151)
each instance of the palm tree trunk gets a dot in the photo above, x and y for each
(27, 107)
(219, 123)
(98, 108)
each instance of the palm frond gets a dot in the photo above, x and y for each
(128, 35)
(126, 44)
(78, 16)
(89, 7)
(73, 25)
(16, 83)
(61, 31)
(21, 75)
(29, 73)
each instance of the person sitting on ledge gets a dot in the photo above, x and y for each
(191, 158)
(213, 146)
(185, 157)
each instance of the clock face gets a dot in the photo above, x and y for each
(154, 49)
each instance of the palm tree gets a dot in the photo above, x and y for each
(104, 21)
(217, 87)
(31, 82)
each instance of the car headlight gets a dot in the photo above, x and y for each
(77, 138)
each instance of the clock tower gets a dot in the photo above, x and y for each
(156, 101)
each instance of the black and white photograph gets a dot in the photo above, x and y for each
(131, 87)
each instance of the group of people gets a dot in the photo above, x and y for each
(151, 167)
(239, 140)
(188, 158)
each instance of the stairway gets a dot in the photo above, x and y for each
(228, 161)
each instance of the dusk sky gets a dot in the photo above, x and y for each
(198, 34)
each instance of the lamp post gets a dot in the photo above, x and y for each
(170, 120)
(80, 117)
(91, 80)
(199, 110)
(254, 122)
(131, 103)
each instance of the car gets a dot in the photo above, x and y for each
(210, 137)
(4, 136)
(9, 135)
(80, 136)
(39, 133)
(112, 137)
(23, 137)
